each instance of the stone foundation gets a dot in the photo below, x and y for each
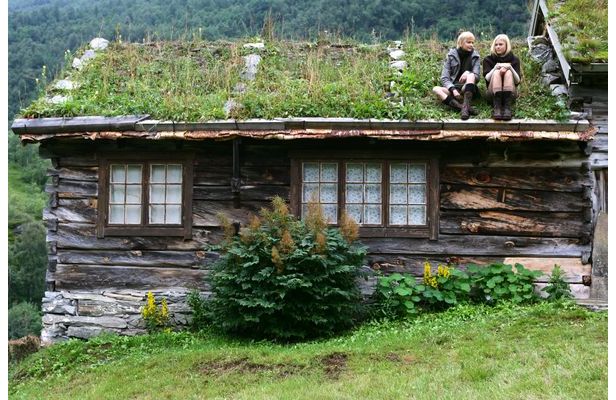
(81, 314)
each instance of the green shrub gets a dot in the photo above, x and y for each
(496, 282)
(285, 279)
(557, 288)
(397, 296)
(400, 296)
(24, 319)
(198, 305)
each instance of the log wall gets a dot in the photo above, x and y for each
(527, 202)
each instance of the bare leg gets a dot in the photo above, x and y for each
(440, 92)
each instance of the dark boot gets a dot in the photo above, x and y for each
(507, 114)
(453, 103)
(497, 110)
(466, 106)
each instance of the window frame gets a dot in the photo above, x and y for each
(184, 229)
(430, 230)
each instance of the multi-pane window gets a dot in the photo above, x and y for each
(363, 192)
(145, 197)
(382, 196)
(407, 194)
(320, 185)
(165, 194)
(125, 194)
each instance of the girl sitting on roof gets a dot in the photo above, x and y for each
(459, 76)
(501, 70)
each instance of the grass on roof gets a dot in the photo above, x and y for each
(192, 80)
(581, 26)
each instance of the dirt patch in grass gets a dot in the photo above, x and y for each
(395, 358)
(334, 364)
(243, 365)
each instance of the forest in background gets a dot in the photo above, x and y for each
(41, 32)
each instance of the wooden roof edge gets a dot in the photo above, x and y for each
(294, 134)
(47, 126)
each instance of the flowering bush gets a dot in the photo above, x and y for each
(156, 317)
(283, 278)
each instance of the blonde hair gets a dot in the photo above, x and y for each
(505, 38)
(464, 36)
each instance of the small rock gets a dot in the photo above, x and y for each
(88, 55)
(251, 62)
(258, 45)
(550, 79)
(558, 90)
(57, 99)
(541, 53)
(77, 64)
(99, 44)
(64, 84)
(400, 65)
(550, 66)
(240, 88)
(396, 54)
(398, 44)
(231, 105)
(83, 332)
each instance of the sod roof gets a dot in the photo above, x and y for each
(581, 26)
(193, 80)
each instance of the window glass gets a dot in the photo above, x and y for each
(407, 194)
(133, 173)
(320, 184)
(363, 199)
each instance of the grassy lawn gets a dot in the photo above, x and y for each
(543, 351)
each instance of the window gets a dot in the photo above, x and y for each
(145, 197)
(396, 197)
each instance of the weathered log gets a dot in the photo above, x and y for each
(205, 213)
(478, 245)
(73, 276)
(547, 179)
(572, 267)
(76, 210)
(76, 174)
(83, 236)
(73, 189)
(251, 193)
(144, 258)
(250, 175)
(479, 198)
(521, 223)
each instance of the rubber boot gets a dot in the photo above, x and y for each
(497, 110)
(507, 114)
(466, 105)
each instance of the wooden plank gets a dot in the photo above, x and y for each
(414, 265)
(459, 197)
(205, 213)
(250, 175)
(72, 277)
(562, 180)
(73, 189)
(83, 236)
(479, 245)
(599, 144)
(142, 258)
(518, 223)
(76, 174)
(223, 193)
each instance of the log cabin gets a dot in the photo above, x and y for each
(147, 152)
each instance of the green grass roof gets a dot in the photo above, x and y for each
(581, 26)
(191, 81)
